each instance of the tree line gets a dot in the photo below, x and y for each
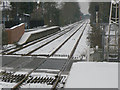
(103, 8)
(52, 13)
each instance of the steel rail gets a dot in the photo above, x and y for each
(28, 54)
(67, 62)
(28, 44)
(46, 43)
(23, 80)
(64, 42)
(57, 80)
(19, 48)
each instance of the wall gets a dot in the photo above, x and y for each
(15, 33)
(42, 34)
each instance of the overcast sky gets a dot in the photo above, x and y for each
(84, 7)
(84, 4)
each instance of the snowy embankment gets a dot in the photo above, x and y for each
(93, 75)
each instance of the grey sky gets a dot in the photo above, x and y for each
(84, 7)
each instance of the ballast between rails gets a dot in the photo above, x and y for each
(28, 54)
(18, 85)
(33, 42)
(59, 74)
(60, 34)
(67, 62)
(56, 48)
(51, 54)
(26, 45)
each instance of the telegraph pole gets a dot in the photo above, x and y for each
(119, 35)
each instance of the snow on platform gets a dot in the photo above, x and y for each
(26, 35)
(93, 75)
(16, 26)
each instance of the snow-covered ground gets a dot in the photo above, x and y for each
(67, 48)
(9, 46)
(6, 85)
(38, 44)
(93, 75)
(49, 48)
(67, 26)
(53, 45)
(83, 44)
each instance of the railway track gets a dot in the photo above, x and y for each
(59, 73)
(11, 51)
(19, 83)
(67, 62)
(14, 49)
(55, 36)
(56, 48)
(64, 42)
(64, 66)
(16, 68)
